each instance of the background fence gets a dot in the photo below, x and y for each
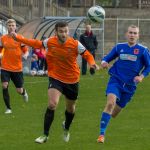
(115, 29)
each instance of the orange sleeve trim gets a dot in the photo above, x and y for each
(30, 42)
(89, 57)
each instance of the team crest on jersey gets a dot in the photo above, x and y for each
(136, 51)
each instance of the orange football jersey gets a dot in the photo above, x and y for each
(12, 55)
(61, 58)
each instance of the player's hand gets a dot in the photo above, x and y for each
(104, 65)
(138, 79)
(93, 68)
(13, 34)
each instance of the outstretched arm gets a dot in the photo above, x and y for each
(30, 42)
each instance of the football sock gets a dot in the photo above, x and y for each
(104, 122)
(48, 119)
(69, 118)
(6, 98)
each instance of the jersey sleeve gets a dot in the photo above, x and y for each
(81, 48)
(146, 58)
(111, 55)
(85, 54)
(30, 42)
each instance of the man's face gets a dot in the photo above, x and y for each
(132, 35)
(88, 28)
(62, 33)
(11, 27)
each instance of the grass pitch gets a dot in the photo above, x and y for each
(130, 130)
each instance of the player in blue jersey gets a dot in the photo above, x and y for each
(131, 66)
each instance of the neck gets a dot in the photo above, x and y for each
(131, 44)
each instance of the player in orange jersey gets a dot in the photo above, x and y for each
(11, 64)
(63, 72)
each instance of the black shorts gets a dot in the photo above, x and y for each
(16, 77)
(69, 90)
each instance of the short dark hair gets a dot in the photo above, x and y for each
(61, 24)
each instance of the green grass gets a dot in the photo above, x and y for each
(130, 130)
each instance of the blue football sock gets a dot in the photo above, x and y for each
(104, 122)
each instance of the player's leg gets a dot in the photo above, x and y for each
(18, 80)
(53, 96)
(117, 109)
(113, 93)
(69, 115)
(124, 99)
(54, 93)
(106, 116)
(5, 78)
(53, 99)
(71, 93)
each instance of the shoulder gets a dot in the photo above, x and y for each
(72, 41)
(4, 36)
(51, 39)
(142, 46)
(122, 44)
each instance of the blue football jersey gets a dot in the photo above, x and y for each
(130, 61)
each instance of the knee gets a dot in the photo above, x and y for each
(52, 105)
(109, 107)
(71, 109)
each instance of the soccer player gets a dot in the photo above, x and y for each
(63, 72)
(131, 66)
(11, 64)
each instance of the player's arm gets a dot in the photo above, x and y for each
(146, 70)
(146, 62)
(30, 42)
(109, 57)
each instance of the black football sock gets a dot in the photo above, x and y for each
(69, 118)
(6, 98)
(48, 119)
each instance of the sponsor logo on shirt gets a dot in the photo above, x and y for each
(128, 57)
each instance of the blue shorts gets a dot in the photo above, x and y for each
(123, 92)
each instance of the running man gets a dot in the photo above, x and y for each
(131, 66)
(11, 64)
(63, 73)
